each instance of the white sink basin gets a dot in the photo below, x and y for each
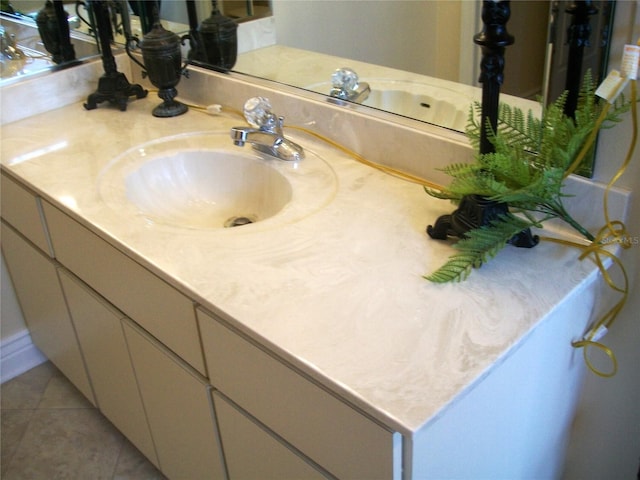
(202, 181)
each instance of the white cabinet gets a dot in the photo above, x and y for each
(252, 452)
(38, 290)
(101, 338)
(149, 350)
(330, 432)
(21, 208)
(152, 303)
(26, 250)
(178, 404)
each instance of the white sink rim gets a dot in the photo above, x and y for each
(285, 192)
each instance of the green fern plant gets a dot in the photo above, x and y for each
(532, 158)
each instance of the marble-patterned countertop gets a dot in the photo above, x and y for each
(340, 292)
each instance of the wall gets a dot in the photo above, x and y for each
(370, 31)
(524, 60)
(428, 37)
(605, 440)
(17, 352)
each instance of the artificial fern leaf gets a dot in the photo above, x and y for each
(457, 269)
(526, 170)
(478, 246)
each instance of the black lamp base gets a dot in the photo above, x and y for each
(476, 211)
(115, 88)
(170, 107)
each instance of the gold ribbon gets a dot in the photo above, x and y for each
(356, 156)
(613, 232)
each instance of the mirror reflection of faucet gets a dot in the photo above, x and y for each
(347, 86)
(12, 58)
(265, 133)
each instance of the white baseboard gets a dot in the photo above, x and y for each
(18, 354)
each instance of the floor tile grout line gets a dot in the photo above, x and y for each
(117, 462)
(7, 467)
(36, 392)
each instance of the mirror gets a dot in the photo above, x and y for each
(387, 43)
(23, 52)
(428, 72)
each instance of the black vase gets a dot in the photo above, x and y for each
(162, 58)
(217, 41)
(54, 33)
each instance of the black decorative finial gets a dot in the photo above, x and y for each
(492, 40)
(578, 35)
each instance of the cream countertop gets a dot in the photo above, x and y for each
(339, 293)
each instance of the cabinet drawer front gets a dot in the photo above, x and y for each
(327, 430)
(252, 452)
(20, 208)
(159, 308)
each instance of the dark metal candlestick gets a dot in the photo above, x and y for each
(194, 40)
(474, 210)
(54, 31)
(113, 86)
(578, 38)
(66, 48)
(492, 40)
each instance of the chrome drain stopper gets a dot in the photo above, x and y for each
(238, 221)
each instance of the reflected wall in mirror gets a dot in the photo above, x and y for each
(239, 10)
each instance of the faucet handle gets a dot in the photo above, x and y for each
(257, 112)
(345, 79)
(346, 85)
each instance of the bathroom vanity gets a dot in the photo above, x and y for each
(305, 346)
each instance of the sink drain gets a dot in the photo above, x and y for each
(238, 221)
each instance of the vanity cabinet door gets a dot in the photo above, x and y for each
(252, 452)
(101, 338)
(37, 287)
(333, 434)
(179, 408)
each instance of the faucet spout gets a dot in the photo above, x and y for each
(267, 142)
(266, 132)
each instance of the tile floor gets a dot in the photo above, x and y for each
(50, 431)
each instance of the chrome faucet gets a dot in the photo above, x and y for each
(266, 133)
(10, 51)
(347, 86)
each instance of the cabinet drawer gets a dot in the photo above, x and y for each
(159, 308)
(251, 452)
(327, 430)
(20, 208)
